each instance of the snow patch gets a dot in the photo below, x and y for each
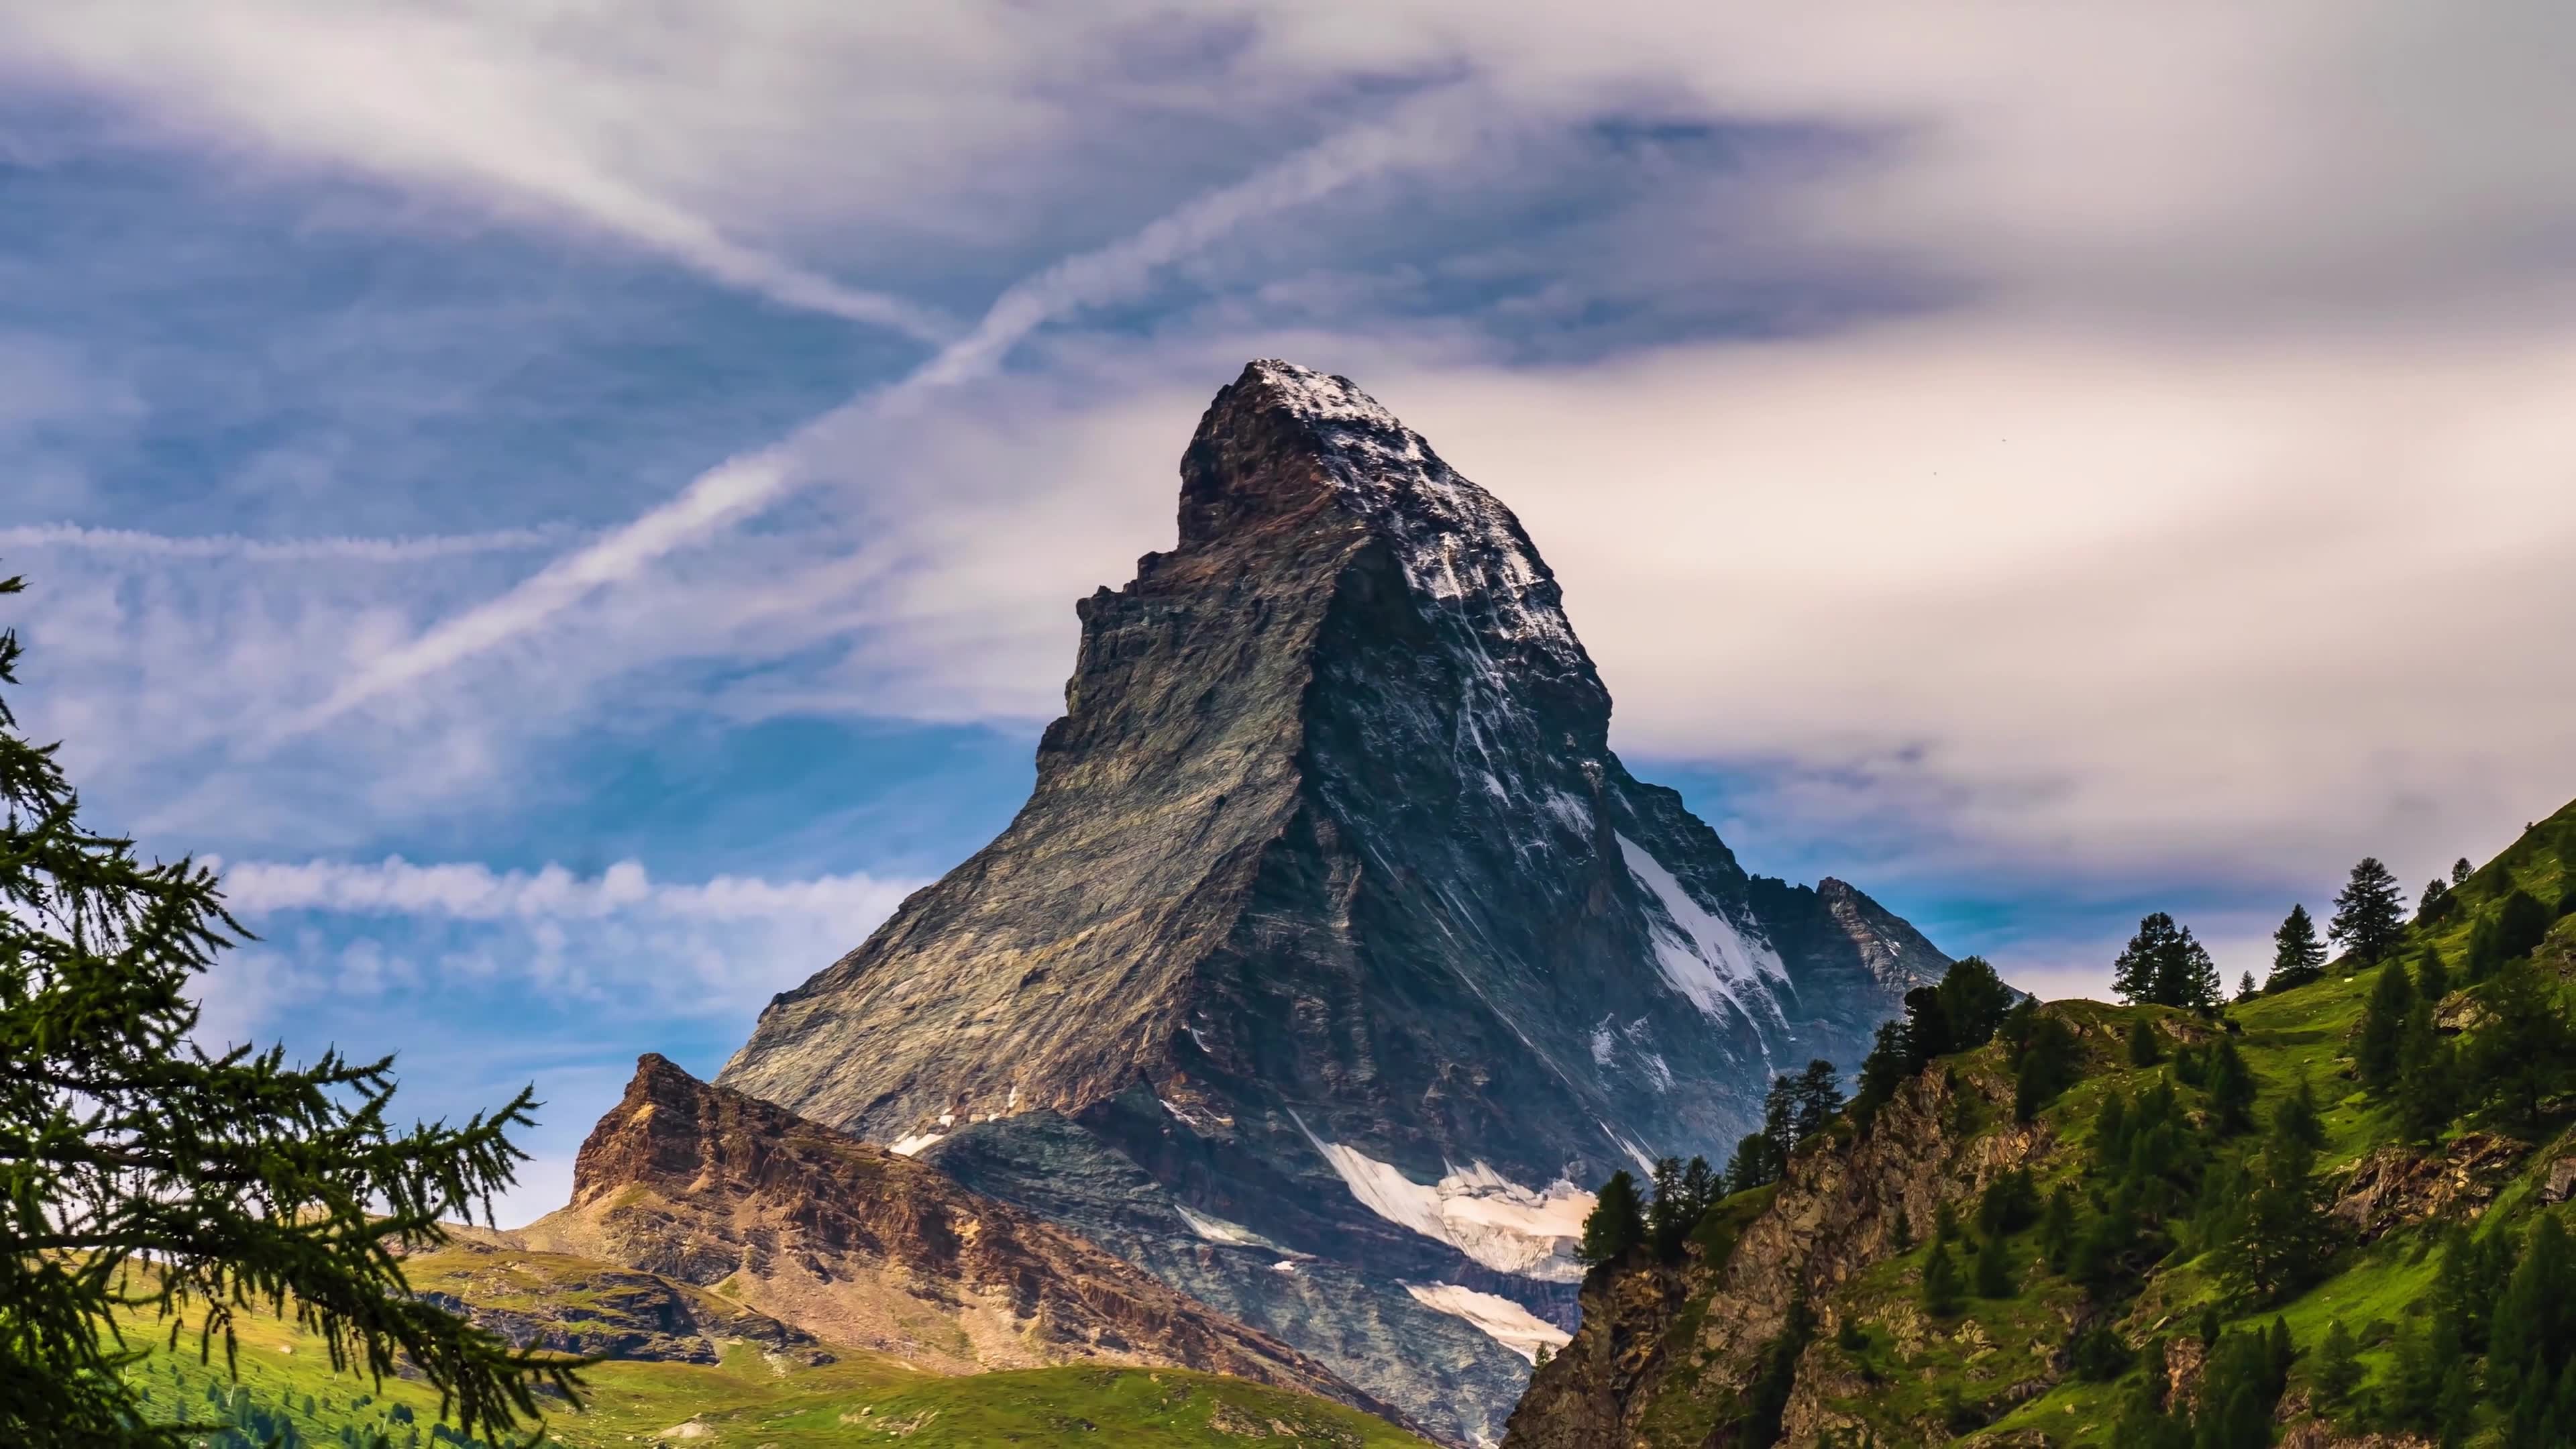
(1603, 1044)
(1218, 1230)
(1483, 1214)
(1572, 813)
(1703, 955)
(1500, 1319)
(1659, 1073)
(907, 1146)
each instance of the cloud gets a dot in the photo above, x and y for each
(745, 485)
(470, 891)
(134, 542)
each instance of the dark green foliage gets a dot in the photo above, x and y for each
(1889, 1063)
(136, 1171)
(2370, 913)
(1817, 1093)
(2009, 1204)
(2532, 1335)
(2145, 1047)
(2239, 1385)
(1616, 1224)
(1973, 1001)
(2245, 987)
(2482, 957)
(2164, 966)
(2434, 904)
(2461, 870)
(2096, 1354)
(1993, 1271)
(1940, 1280)
(2051, 1061)
(2231, 1091)
(2272, 1233)
(1754, 1164)
(1682, 1196)
(2057, 1229)
(2383, 1028)
(2337, 1370)
(2432, 978)
(1851, 1338)
(2522, 1057)
(2298, 957)
(2295, 1118)
(2521, 924)
(1964, 1011)
(2428, 1087)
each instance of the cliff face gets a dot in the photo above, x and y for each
(813, 1228)
(1334, 935)
(1664, 1353)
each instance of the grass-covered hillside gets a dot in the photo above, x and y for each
(2318, 1213)
(797, 1396)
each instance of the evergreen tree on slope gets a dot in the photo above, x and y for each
(2370, 913)
(138, 1174)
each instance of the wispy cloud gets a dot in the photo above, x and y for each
(743, 486)
(471, 891)
(134, 542)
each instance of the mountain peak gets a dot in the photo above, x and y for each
(1334, 922)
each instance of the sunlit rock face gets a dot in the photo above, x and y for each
(1335, 954)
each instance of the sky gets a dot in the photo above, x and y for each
(577, 506)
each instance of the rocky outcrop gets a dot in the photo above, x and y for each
(859, 1246)
(1334, 915)
(1661, 1356)
(574, 1305)
(2394, 1185)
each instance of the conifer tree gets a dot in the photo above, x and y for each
(2383, 1028)
(2278, 1236)
(2521, 923)
(1616, 1223)
(2297, 1119)
(2432, 978)
(2433, 903)
(1940, 1280)
(2231, 1091)
(2533, 1331)
(2057, 1228)
(1993, 1271)
(2051, 1061)
(2524, 1056)
(2427, 1078)
(2482, 957)
(2144, 1049)
(2370, 913)
(2461, 871)
(2164, 966)
(1752, 1165)
(1665, 1225)
(1973, 1002)
(140, 1173)
(2298, 957)
(2337, 1370)
(1818, 1093)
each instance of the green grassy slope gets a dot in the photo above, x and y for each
(753, 1398)
(1907, 1369)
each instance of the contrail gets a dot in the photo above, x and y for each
(279, 550)
(753, 481)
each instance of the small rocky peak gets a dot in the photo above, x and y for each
(1261, 453)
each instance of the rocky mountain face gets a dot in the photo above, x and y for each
(1664, 1354)
(575, 1305)
(797, 1224)
(1336, 953)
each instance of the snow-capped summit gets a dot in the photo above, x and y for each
(1335, 955)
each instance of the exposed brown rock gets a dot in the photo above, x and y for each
(575, 1305)
(2394, 1186)
(2560, 1182)
(860, 1246)
(1833, 1215)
